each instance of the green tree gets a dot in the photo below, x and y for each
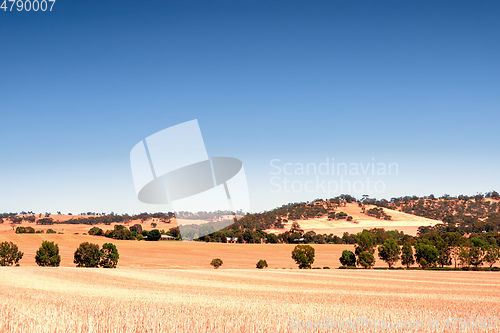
(48, 254)
(9, 254)
(464, 257)
(492, 254)
(365, 241)
(108, 256)
(153, 235)
(427, 252)
(389, 251)
(87, 255)
(444, 252)
(303, 255)
(407, 258)
(96, 231)
(348, 258)
(476, 254)
(262, 264)
(216, 263)
(365, 259)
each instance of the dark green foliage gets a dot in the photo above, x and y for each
(262, 264)
(119, 232)
(428, 253)
(303, 256)
(272, 239)
(348, 258)
(174, 232)
(45, 221)
(48, 254)
(153, 235)
(216, 263)
(50, 231)
(389, 252)
(108, 256)
(87, 255)
(365, 241)
(95, 231)
(9, 254)
(137, 228)
(407, 258)
(365, 259)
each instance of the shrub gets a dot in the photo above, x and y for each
(140, 237)
(108, 256)
(216, 262)
(95, 231)
(495, 269)
(326, 267)
(87, 255)
(50, 231)
(9, 254)
(303, 255)
(348, 258)
(153, 235)
(20, 230)
(137, 228)
(48, 254)
(262, 264)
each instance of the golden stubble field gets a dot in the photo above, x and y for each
(35, 299)
(169, 286)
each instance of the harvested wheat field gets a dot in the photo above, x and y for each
(36, 299)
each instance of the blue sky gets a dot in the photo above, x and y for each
(411, 83)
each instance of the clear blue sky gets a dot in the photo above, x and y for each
(416, 83)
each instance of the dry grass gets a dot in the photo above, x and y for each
(130, 300)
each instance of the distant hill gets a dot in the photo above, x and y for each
(411, 214)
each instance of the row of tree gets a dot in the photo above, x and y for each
(86, 255)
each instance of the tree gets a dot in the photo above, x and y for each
(96, 231)
(153, 235)
(389, 251)
(137, 228)
(476, 254)
(108, 256)
(348, 258)
(492, 254)
(262, 264)
(365, 241)
(303, 255)
(48, 254)
(464, 257)
(87, 255)
(365, 259)
(407, 255)
(444, 252)
(427, 252)
(216, 263)
(9, 254)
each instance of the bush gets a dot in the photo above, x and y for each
(20, 230)
(153, 235)
(95, 231)
(326, 267)
(216, 263)
(87, 255)
(495, 269)
(9, 254)
(50, 231)
(303, 255)
(48, 255)
(140, 237)
(262, 264)
(108, 256)
(348, 258)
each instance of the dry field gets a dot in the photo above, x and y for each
(35, 299)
